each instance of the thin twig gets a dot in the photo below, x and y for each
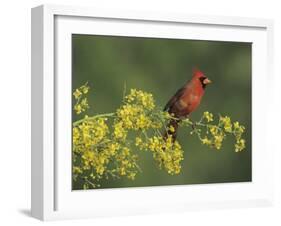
(93, 117)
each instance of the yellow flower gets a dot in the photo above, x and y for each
(126, 151)
(226, 122)
(172, 129)
(77, 170)
(206, 141)
(84, 103)
(156, 124)
(142, 122)
(138, 141)
(218, 141)
(214, 130)
(88, 158)
(81, 106)
(77, 93)
(236, 125)
(155, 143)
(167, 153)
(119, 131)
(132, 175)
(93, 131)
(100, 129)
(122, 171)
(112, 148)
(238, 128)
(100, 169)
(240, 145)
(78, 108)
(141, 98)
(208, 116)
(75, 135)
(85, 89)
(166, 115)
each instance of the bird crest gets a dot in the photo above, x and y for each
(197, 73)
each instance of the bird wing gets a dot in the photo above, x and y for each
(174, 99)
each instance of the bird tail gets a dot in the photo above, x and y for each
(172, 128)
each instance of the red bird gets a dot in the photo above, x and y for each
(185, 101)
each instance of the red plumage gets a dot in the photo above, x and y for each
(186, 100)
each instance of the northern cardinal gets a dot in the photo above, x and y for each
(185, 101)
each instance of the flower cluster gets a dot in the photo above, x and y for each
(133, 117)
(226, 123)
(208, 116)
(81, 103)
(135, 113)
(97, 155)
(216, 133)
(168, 154)
(238, 131)
(89, 133)
(141, 98)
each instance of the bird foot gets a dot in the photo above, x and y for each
(193, 125)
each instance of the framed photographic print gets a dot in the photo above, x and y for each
(137, 112)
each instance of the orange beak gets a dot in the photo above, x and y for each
(207, 81)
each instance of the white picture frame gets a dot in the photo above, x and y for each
(52, 197)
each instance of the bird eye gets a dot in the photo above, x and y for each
(202, 79)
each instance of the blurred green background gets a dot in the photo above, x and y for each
(162, 66)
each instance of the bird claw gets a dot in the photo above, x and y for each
(193, 125)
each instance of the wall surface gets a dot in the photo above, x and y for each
(15, 112)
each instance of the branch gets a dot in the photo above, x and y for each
(76, 123)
